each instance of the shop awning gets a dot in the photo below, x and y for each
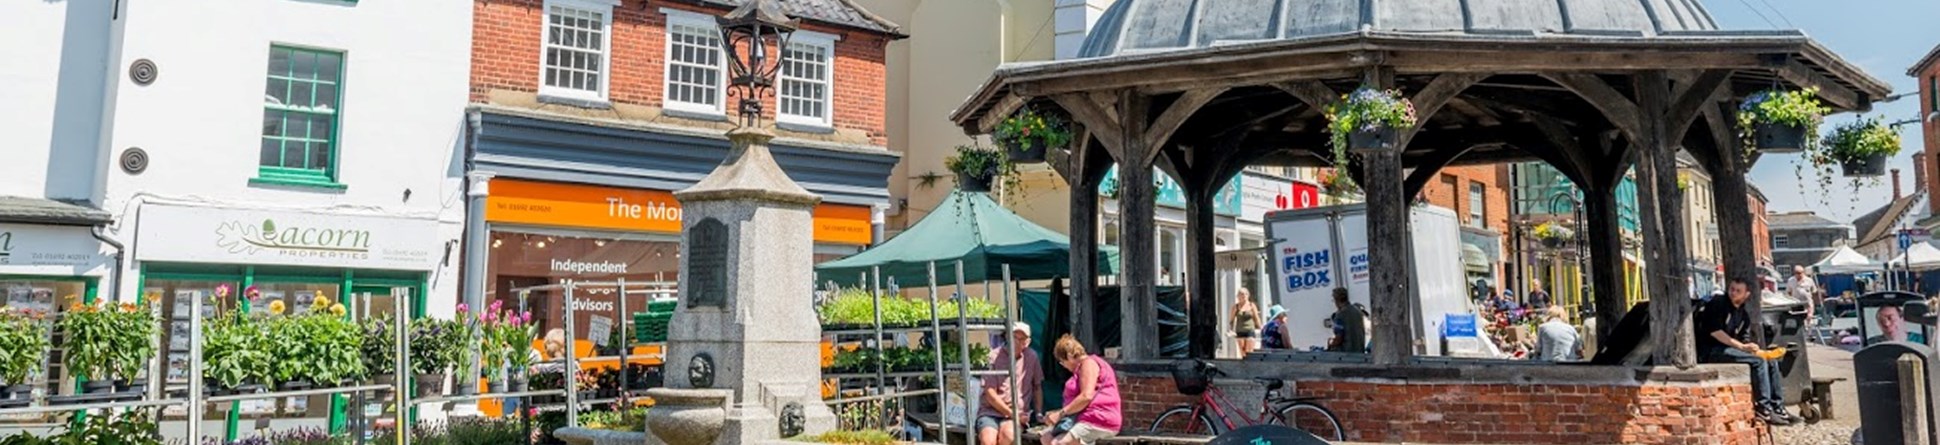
(1474, 260)
(16, 209)
(1919, 257)
(969, 227)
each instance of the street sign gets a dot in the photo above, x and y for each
(1458, 325)
(1906, 240)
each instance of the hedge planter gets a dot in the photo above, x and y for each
(496, 386)
(973, 183)
(1026, 152)
(516, 384)
(1864, 167)
(1376, 139)
(1776, 138)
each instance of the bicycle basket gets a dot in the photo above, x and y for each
(1189, 378)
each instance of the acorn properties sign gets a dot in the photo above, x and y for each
(240, 236)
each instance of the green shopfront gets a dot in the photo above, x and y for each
(185, 253)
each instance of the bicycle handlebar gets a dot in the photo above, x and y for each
(1209, 369)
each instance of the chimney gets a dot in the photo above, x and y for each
(1896, 184)
(1920, 170)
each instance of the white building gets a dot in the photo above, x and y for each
(304, 148)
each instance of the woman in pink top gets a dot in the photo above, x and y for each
(1091, 410)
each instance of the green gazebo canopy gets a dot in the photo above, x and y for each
(971, 227)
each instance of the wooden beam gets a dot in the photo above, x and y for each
(1138, 336)
(1094, 115)
(1175, 115)
(1427, 167)
(1690, 98)
(1661, 206)
(1805, 77)
(1311, 92)
(1004, 107)
(1432, 97)
(1207, 71)
(1619, 110)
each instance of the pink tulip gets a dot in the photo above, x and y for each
(497, 304)
(527, 317)
(462, 308)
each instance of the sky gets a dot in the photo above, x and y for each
(1883, 37)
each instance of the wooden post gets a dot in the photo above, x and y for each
(1732, 197)
(1083, 182)
(1137, 239)
(1913, 391)
(1202, 286)
(1661, 207)
(1606, 257)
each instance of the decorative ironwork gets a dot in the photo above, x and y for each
(745, 36)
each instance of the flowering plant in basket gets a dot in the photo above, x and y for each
(1367, 112)
(515, 331)
(1029, 133)
(108, 340)
(1780, 120)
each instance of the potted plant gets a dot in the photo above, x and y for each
(380, 350)
(431, 344)
(1553, 235)
(23, 349)
(235, 356)
(464, 366)
(515, 332)
(1779, 121)
(1367, 119)
(492, 348)
(975, 167)
(335, 344)
(108, 344)
(1859, 147)
(1028, 134)
(1337, 184)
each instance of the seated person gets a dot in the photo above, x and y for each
(1724, 336)
(1893, 327)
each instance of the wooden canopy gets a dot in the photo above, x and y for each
(1591, 105)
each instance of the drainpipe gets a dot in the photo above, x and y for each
(114, 276)
(876, 223)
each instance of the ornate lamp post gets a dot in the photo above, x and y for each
(745, 34)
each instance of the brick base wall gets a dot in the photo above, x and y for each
(1484, 413)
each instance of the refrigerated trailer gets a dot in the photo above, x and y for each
(1315, 250)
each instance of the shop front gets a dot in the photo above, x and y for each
(45, 267)
(548, 233)
(186, 253)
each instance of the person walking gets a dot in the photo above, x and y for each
(995, 419)
(1538, 298)
(1556, 340)
(1803, 288)
(1092, 410)
(1724, 336)
(1246, 322)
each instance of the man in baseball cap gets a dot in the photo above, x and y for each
(996, 423)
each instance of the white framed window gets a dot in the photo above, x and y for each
(804, 91)
(696, 78)
(1477, 205)
(1779, 241)
(574, 51)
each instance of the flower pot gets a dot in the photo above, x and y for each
(517, 384)
(98, 387)
(1027, 152)
(1866, 167)
(1375, 139)
(1776, 138)
(20, 392)
(294, 385)
(389, 381)
(430, 385)
(496, 386)
(974, 182)
(687, 416)
(1553, 242)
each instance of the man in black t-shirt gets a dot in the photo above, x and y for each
(1724, 336)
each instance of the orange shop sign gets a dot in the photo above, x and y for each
(634, 210)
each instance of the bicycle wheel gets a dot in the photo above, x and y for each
(1181, 420)
(1314, 419)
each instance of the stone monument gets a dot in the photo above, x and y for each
(744, 348)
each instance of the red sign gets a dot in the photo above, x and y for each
(1299, 196)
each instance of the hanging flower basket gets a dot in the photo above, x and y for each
(1866, 167)
(1027, 135)
(977, 167)
(1553, 235)
(1777, 121)
(1367, 120)
(1859, 147)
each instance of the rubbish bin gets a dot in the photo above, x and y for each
(1784, 323)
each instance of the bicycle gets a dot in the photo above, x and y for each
(1213, 414)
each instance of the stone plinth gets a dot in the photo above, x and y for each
(746, 276)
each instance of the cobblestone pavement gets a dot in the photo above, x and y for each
(1828, 362)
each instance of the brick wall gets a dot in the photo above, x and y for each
(1761, 230)
(505, 57)
(1392, 411)
(1450, 189)
(1929, 165)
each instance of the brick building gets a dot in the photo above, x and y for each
(1479, 195)
(1803, 238)
(1926, 73)
(1761, 227)
(586, 116)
